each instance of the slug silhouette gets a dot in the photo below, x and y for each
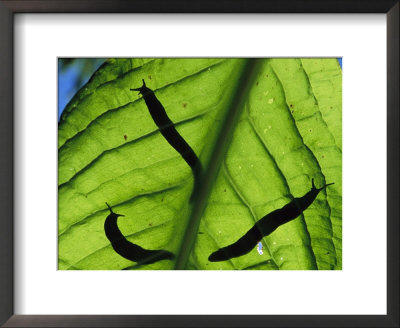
(266, 225)
(127, 249)
(169, 132)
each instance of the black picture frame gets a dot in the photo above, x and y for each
(7, 10)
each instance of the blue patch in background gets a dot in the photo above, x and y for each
(67, 86)
(72, 78)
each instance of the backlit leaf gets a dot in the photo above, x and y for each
(288, 132)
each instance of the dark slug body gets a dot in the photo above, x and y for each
(127, 249)
(266, 225)
(169, 132)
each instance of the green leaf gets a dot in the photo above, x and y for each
(262, 128)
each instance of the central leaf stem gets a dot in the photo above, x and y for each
(218, 154)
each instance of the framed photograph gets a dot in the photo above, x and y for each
(204, 164)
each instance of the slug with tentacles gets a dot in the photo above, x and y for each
(170, 134)
(267, 225)
(127, 249)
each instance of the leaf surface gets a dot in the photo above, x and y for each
(262, 130)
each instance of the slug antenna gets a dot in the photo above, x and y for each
(139, 89)
(111, 211)
(109, 207)
(312, 183)
(328, 184)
